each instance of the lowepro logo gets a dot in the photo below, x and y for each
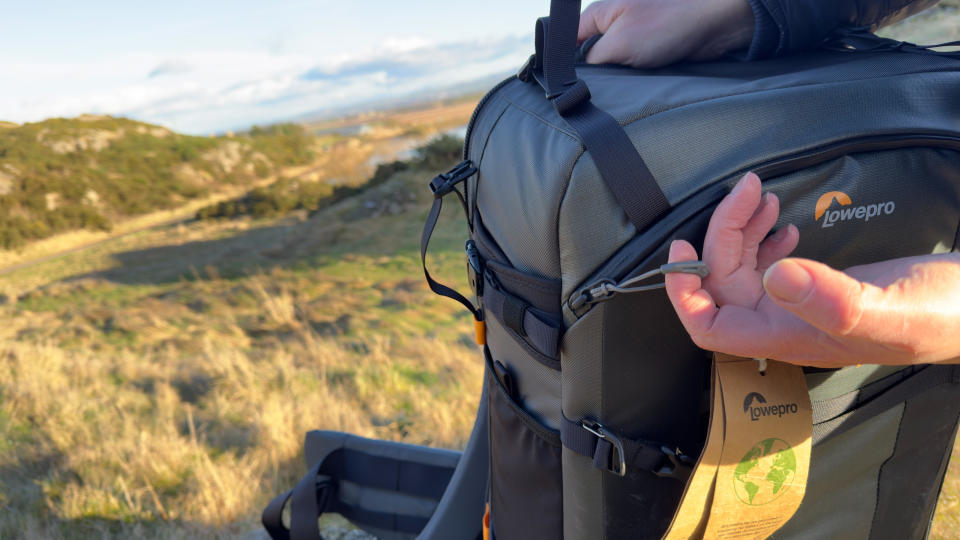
(847, 211)
(762, 409)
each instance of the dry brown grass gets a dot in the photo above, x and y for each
(176, 444)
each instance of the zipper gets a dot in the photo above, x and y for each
(476, 112)
(611, 278)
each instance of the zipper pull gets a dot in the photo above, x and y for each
(605, 289)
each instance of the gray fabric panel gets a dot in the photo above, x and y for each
(827, 385)
(581, 363)
(924, 214)
(785, 121)
(842, 488)
(583, 502)
(384, 501)
(538, 386)
(592, 225)
(482, 129)
(671, 118)
(524, 176)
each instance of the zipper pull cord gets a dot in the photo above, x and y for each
(607, 288)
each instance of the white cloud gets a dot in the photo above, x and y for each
(218, 90)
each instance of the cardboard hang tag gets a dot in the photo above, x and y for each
(752, 474)
(765, 461)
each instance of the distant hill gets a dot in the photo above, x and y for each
(91, 171)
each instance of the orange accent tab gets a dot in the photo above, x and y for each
(480, 327)
(486, 519)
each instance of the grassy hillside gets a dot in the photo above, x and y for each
(160, 384)
(89, 172)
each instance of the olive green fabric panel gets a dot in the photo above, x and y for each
(841, 492)
(826, 385)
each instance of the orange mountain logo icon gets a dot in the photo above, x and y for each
(825, 200)
(847, 212)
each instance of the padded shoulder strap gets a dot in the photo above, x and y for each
(386, 488)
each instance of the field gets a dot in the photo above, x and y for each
(156, 378)
(160, 383)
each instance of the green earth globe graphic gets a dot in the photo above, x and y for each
(765, 472)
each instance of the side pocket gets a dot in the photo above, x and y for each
(526, 492)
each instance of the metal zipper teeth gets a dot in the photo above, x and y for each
(619, 267)
(476, 112)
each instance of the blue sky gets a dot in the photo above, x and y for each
(203, 66)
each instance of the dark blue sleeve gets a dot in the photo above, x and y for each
(787, 26)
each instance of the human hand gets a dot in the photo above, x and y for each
(753, 305)
(653, 33)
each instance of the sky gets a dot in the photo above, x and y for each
(206, 66)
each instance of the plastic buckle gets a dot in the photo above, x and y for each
(603, 433)
(677, 465)
(526, 72)
(444, 183)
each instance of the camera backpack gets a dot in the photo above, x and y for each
(596, 402)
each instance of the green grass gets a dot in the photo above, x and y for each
(67, 174)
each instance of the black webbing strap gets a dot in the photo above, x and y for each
(315, 493)
(522, 318)
(834, 416)
(614, 155)
(441, 185)
(594, 441)
(308, 499)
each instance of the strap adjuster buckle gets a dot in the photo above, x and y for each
(446, 182)
(677, 465)
(619, 458)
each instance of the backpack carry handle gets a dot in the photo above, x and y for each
(617, 160)
(556, 39)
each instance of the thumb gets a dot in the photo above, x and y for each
(823, 297)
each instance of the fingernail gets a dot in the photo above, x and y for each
(787, 281)
(740, 184)
(780, 235)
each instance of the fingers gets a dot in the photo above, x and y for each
(588, 22)
(778, 246)
(618, 42)
(825, 298)
(725, 240)
(693, 304)
(730, 329)
(764, 218)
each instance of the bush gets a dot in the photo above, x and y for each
(441, 153)
(132, 168)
